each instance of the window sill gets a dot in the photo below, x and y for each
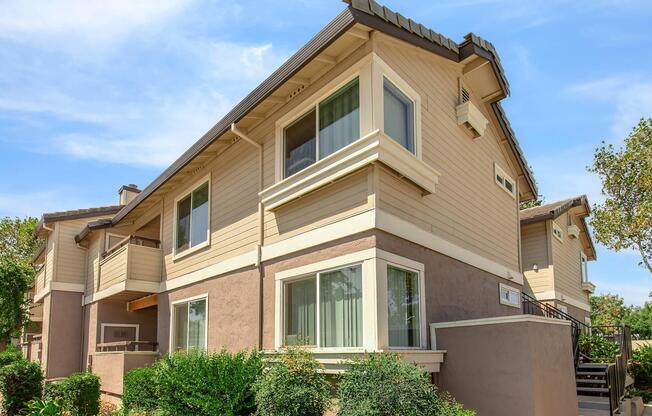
(187, 252)
(372, 148)
(588, 287)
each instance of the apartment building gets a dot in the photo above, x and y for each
(363, 198)
(557, 247)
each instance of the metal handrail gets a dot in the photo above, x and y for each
(617, 371)
(126, 345)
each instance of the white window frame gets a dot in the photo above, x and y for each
(186, 192)
(584, 268)
(106, 239)
(203, 296)
(506, 288)
(498, 171)
(559, 234)
(374, 297)
(370, 71)
(103, 328)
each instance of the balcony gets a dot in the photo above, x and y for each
(114, 359)
(132, 265)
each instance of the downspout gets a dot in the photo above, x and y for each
(261, 231)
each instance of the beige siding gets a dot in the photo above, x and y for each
(50, 255)
(114, 268)
(94, 253)
(535, 251)
(468, 209)
(566, 258)
(144, 263)
(71, 260)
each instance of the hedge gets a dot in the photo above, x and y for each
(198, 383)
(79, 393)
(20, 382)
(642, 367)
(10, 355)
(140, 392)
(293, 387)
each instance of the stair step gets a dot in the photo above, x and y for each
(590, 381)
(590, 373)
(593, 366)
(593, 402)
(593, 390)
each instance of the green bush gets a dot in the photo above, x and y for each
(597, 348)
(139, 390)
(384, 385)
(642, 367)
(10, 355)
(646, 395)
(44, 408)
(20, 382)
(79, 393)
(197, 383)
(293, 387)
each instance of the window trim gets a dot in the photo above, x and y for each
(107, 238)
(498, 171)
(556, 227)
(584, 268)
(172, 318)
(186, 192)
(501, 288)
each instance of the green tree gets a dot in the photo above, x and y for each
(624, 220)
(607, 310)
(639, 319)
(17, 242)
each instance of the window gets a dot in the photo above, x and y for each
(510, 296)
(398, 115)
(112, 240)
(584, 268)
(333, 124)
(556, 231)
(562, 308)
(193, 222)
(403, 306)
(190, 324)
(325, 309)
(119, 332)
(504, 181)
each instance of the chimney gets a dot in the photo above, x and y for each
(127, 193)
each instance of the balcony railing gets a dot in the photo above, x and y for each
(121, 346)
(617, 370)
(132, 259)
(39, 280)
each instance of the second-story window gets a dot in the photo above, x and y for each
(398, 111)
(331, 125)
(584, 268)
(192, 222)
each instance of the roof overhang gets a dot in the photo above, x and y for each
(52, 217)
(92, 226)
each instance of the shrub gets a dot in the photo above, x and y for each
(20, 382)
(384, 385)
(197, 383)
(139, 391)
(10, 355)
(598, 348)
(642, 366)
(44, 408)
(646, 395)
(79, 393)
(293, 387)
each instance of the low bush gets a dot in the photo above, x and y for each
(646, 395)
(79, 394)
(385, 385)
(44, 408)
(293, 387)
(642, 367)
(20, 383)
(10, 355)
(598, 348)
(198, 383)
(139, 390)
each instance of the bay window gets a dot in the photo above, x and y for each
(192, 219)
(325, 309)
(404, 308)
(189, 324)
(331, 125)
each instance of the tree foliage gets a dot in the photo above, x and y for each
(624, 220)
(17, 242)
(610, 310)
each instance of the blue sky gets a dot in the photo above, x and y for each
(93, 95)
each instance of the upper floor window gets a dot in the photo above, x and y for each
(192, 219)
(557, 232)
(398, 111)
(331, 125)
(189, 324)
(504, 180)
(584, 268)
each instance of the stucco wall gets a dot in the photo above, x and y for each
(574, 311)
(510, 369)
(62, 335)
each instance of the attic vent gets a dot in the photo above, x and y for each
(464, 95)
(297, 91)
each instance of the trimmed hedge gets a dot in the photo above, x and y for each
(10, 355)
(20, 382)
(293, 387)
(642, 367)
(197, 383)
(139, 390)
(385, 385)
(79, 393)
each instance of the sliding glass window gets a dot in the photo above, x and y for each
(403, 304)
(325, 309)
(192, 225)
(190, 325)
(330, 126)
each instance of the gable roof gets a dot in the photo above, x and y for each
(74, 214)
(375, 16)
(93, 225)
(553, 210)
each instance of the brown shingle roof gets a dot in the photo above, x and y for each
(375, 16)
(75, 214)
(552, 210)
(93, 225)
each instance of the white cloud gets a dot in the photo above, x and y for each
(34, 204)
(631, 95)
